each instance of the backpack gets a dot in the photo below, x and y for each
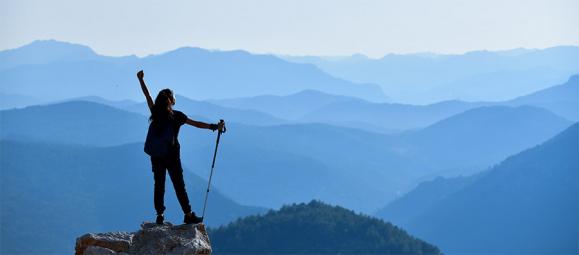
(160, 139)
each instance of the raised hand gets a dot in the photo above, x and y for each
(140, 74)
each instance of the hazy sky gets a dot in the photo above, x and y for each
(296, 27)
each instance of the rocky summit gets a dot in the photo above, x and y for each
(151, 239)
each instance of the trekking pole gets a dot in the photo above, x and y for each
(212, 166)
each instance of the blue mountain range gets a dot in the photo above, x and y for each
(494, 175)
(305, 160)
(55, 193)
(36, 70)
(473, 76)
(528, 204)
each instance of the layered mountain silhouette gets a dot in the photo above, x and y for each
(74, 163)
(315, 228)
(195, 72)
(45, 52)
(53, 193)
(482, 136)
(29, 78)
(560, 99)
(205, 110)
(380, 164)
(315, 106)
(473, 76)
(386, 118)
(427, 194)
(121, 104)
(300, 162)
(76, 122)
(9, 101)
(527, 204)
(290, 107)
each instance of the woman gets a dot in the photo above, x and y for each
(163, 114)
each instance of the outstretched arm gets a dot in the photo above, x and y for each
(200, 124)
(141, 76)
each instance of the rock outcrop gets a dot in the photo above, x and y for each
(151, 239)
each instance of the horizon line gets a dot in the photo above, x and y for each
(418, 53)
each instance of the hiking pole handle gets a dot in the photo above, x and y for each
(217, 143)
(221, 121)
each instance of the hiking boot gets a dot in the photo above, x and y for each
(160, 219)
(191, 218)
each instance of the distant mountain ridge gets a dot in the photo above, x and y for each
(310, 106)
(113, 77)
(210, 112)
(561, 99)
(520, 200)
(319, 107)
(473, 76)
(53, 193)
(313, 137)
(36, 70)
(45, 52)
(76, 122)
(466, 148)
(300, 162)
(426, 195)
(291, 107)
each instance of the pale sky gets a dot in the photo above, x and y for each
(293, 27)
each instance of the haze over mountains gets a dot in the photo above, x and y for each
(529, 196)
(560, 99)
(204, 110)
(474, 76)
(202, 74)
(54, 193)
(307, 160)
(295, 133)
(198, 73)
(480, 137)
(75, 122)
(313, 106)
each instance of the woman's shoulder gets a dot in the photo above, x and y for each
(177, 112)
(179, 115)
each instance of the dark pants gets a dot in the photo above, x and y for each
(173, 165)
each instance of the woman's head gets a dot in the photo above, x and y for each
(163, 107)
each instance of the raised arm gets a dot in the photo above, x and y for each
(141, 76)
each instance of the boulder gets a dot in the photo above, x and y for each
(151, 239)
(114, 241)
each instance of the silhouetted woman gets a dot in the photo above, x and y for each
(163, 115)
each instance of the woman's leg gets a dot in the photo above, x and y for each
(159, 166)
(176, 173)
